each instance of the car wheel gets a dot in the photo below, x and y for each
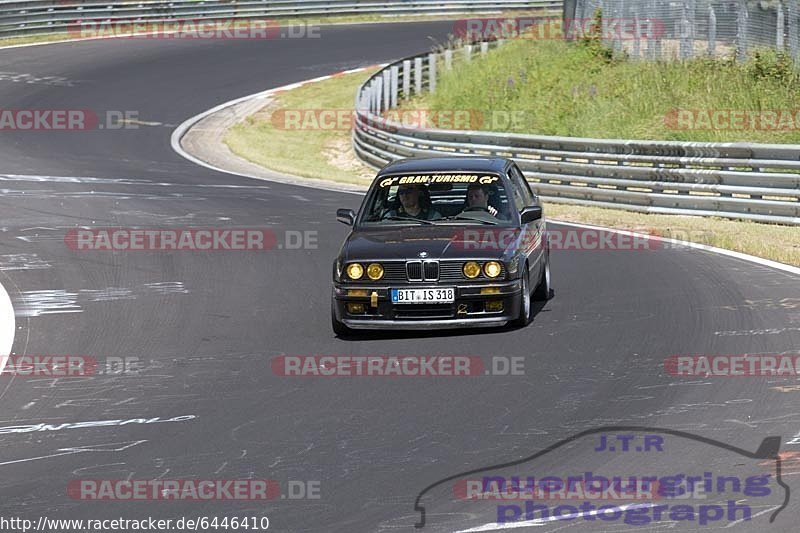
(524, 317)
(542, 291)
(338, 327)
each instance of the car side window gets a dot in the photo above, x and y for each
(522, 193)
(526, 186)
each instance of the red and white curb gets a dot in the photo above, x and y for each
(181, 130)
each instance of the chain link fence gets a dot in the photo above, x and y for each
(682, 29)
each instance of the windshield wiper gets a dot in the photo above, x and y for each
(462, 217)
(420, 220)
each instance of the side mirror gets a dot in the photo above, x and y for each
(346, 216)
(531, 214)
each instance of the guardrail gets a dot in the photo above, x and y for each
(759, 182)
(32, 17)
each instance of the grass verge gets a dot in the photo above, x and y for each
(310, 151)
(569, 89)
(326, 154)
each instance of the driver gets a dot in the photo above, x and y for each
(478, 199)
(414, 203)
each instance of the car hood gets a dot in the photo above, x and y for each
(436, 241)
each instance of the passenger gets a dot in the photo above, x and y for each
(478, 199)
(414, 202)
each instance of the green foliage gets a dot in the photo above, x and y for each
(592, 41)
(558, 88)
(772, 65)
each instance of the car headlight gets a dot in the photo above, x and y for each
(492, 269)
(337, 272)
(472, 269)
(355, 271)
(375, 271)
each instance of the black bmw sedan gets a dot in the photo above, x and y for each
(445, 242)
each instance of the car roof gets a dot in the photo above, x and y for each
(446, 164)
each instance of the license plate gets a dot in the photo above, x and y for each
(445, 295)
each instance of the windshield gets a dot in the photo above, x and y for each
(438, 198)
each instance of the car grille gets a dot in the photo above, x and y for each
(422, 270)
(431, 270)
(394, 272)
(414, 271)
(452, 271)
(445, 271)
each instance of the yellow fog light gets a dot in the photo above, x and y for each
(494, 306)
(375, 271)
(472, 269)
(356, 309)
(490, 290)
(492, 269)
(355, 271)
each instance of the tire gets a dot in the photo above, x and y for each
(542, 292)
(338, 327)
(524, 317)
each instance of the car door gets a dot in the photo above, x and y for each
(533, 232)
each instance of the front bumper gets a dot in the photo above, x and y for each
(475, 305)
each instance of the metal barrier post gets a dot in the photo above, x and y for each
(407, 79)
(741, 31)
(387, 88)
(378, 94)
(712, 31)
(418, 75)
(395, 74)
(432, 73)
(794, 49)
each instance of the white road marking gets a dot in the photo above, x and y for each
(20, 77)
(180, 131)
(753, 516)
(704, 247)
(22, 262)
(48, 302)
(542, 521)
(92, 424)
(167, 287)
(7, 326)
(795, 439)
(749, 332)
(122, 446)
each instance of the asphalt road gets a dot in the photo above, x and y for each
(205, 403)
